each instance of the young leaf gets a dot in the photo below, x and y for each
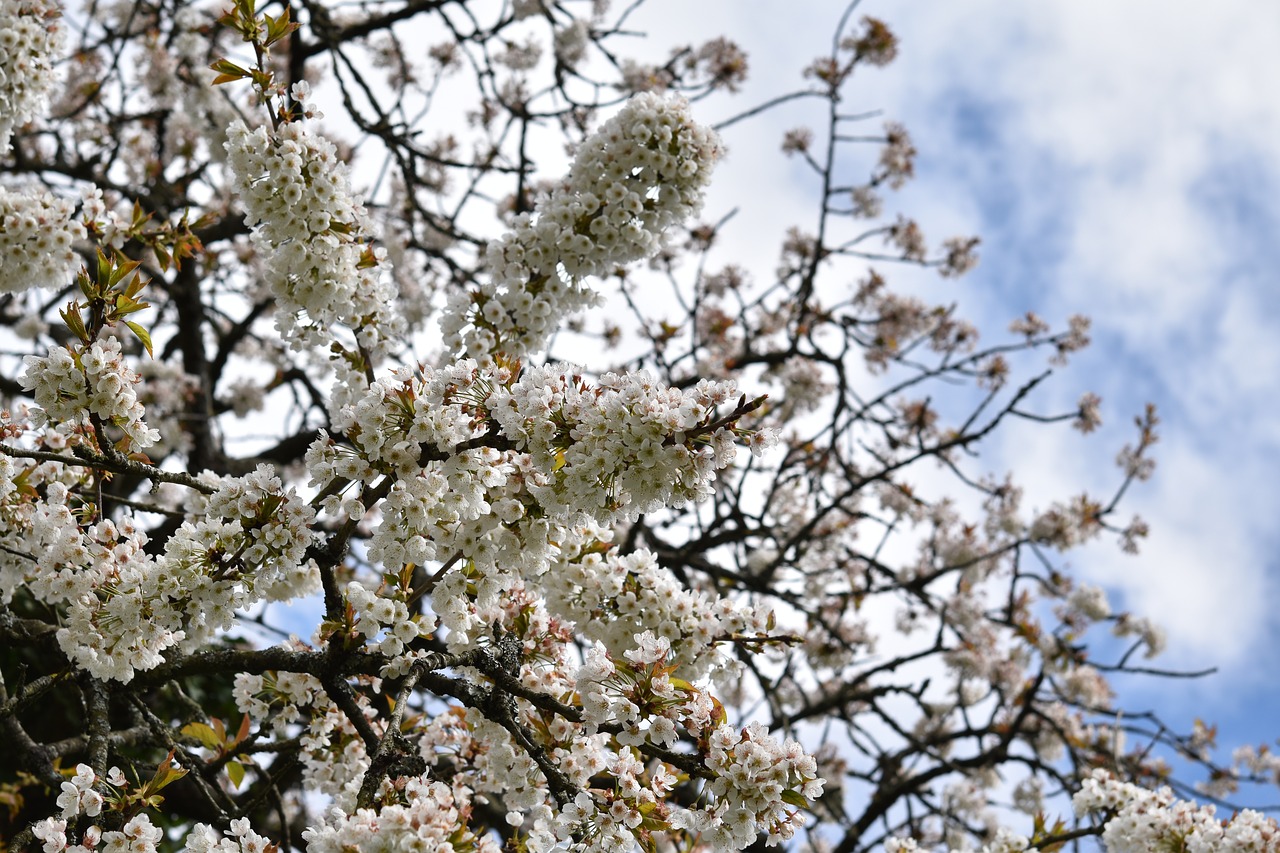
(142, 335)
(203, 733)
(795, 798)
(235, 772)
(228, 72)
(71, 316)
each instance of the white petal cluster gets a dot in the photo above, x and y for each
(139, 835)
(385, 618)
(275, 697)
(642, 172)
(166, 392)
(68, 385)
(78, 795)
(432, 817)
(82, 795)
(37, 232)
(570, 42)
(113, 625)
(307, 226)
(563, 452)
(573, 455)
(753, 771)
(250, 546)
(613, 599)
(30, 38)
(124, 608)
(1141, 820)
(334, 759)
(757, 784)
(619, 448)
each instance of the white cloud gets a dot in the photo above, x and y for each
(1110, 121)
(1116, 155)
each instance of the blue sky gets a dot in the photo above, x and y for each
(1119, 160)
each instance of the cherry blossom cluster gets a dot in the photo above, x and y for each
(570, 42)
(755, 783)
(1138, 819)
(621, 447)
(18, 479)
(69, 385)
(605, 820)
(139, 835)
(1251, 763)
(125, 608)
(334, 757)
(307, 226)
(78, 795)
(494, 468)
(103, 221)
(88, 794)
(37, 233)
(275, 697)
(755, 773)
(115, 624)
(636, 691)
(165, 392)
(31, 37)
(249, 544)
(378, 613)
(641, 172)
(803, 387)
(425, 815)
(612, 599)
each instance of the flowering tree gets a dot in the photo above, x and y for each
(312, 537)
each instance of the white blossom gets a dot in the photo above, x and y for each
(31, 36)
(37, 237)
(640, 173)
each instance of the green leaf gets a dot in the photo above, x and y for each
(228, 71)
(162, 257)
(122, 268)
(235, 772)
(104, 271)
(278, 28)
(129, 308)
(135, 287)
(166, 774)
(140, 217)
(795, 798)
(142, 335)
(86, 284)
(718, 715)
(203, 733)
(71, 316)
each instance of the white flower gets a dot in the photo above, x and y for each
(31, 35)
(307, 224)
(36, 234)
(102, 384)
(640, 173)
